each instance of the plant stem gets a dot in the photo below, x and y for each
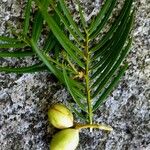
(98, 126)
(87, 55)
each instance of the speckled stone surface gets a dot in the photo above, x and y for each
(24, 99)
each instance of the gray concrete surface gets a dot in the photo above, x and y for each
(24, 99)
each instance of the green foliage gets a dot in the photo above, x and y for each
(89, 71)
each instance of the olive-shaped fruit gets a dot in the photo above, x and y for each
(66, 139)
(60, 117)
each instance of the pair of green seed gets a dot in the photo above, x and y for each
(61, 118)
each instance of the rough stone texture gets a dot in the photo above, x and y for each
(24, 99)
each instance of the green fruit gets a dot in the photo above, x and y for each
(66, 139)
(60, 117)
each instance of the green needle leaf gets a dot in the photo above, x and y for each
(30, 69)
(16, 54)
(27, 18)
(37, 26)
(50, 43)
(79, 114)
(38, 22)
(13, 45)
(8, 39)
(79, 93)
